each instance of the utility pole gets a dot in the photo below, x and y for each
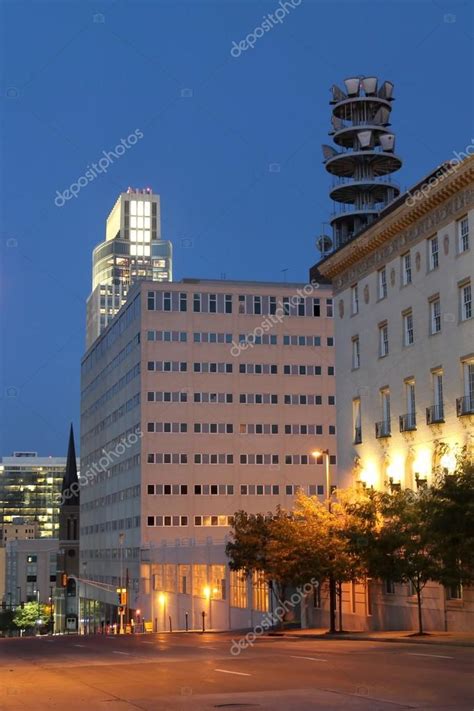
(331, 581)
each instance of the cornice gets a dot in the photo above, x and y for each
(405, 226)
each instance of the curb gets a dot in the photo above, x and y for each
(399, 640)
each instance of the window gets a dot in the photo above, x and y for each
(436, 413)
(408, 421)
(435, 316)
(463, 235)
(356, 419)
(408, 333)
(389, 586)
(167, 301)
(257, 305)
(355, 299)
(329, 308)
(406, 269)
(272, 305)
(382, 283)
(355, 353)
(212, 303)
(228, 303)
(433, 253)
(316, 307)
(238, 588)
(197, 303)
(385, 424)
(383, 340)
(259, 591)
(465, 295)
(454, 592)
(183, 301)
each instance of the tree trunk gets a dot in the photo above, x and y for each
(332, 604)
(420, 615)
(340, 606)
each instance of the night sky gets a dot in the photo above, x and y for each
(232, 145)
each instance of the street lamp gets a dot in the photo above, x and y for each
(207, 594)
(121, 540)
(332, 583)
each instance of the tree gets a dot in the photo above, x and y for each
(247, 549)
(452, 524)
(403, 547)
(27, 617)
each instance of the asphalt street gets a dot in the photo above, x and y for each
(197, 671)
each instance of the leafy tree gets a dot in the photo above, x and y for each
(403, 548)
(248, 548)
(6, 621)
(28, 616)
(452, 524)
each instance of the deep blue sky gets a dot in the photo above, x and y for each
(72, 88)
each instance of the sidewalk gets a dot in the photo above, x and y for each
(461, 639)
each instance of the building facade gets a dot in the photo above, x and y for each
(405, 364)
(200, 398)
(133, 249)
(30, 571)
(30, 487)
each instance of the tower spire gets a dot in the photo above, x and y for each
(70, 493)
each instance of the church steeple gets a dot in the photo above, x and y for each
(70, 486)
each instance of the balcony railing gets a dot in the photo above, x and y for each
(383, 429)
(408, 422)
(465, 405)
(357, 435)
(434, 414)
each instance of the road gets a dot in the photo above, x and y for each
(177, 672)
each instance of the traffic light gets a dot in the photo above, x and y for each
(63, 580)
(122, 596)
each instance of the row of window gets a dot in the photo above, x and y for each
(408, 333)
(408, 420)
(247, 304)
(219, 520)
(174, 366)
(223, 458)
(406, 267)
(212, 337)
(244, 398)
(228, 428)
(229, 489)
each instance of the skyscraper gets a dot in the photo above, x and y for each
(133, 249)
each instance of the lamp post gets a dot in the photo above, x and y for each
(207, 594)
(18, 589)
(121, 609)
(332, 583)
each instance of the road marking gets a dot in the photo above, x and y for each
(79, 645)
(148, 643)
(127, 653)
(437, 656)
(226, 671)
(312, 659)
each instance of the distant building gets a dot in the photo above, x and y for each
(30, 570)
(19, 529)
(202, 397)
(29, 488)
(404, 322)
(133, 249)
